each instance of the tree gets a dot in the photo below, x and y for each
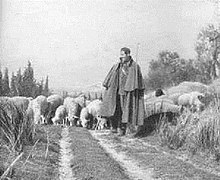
(28, 81)
(168, 58)
(208, 49)
(13, 89)
(157, 76)
(19, 83)
(46, 87)
(96, 95)
(1, 83)
(5, 83)
(38, 88)
(170, 70)
(162, 71)
(201, 71)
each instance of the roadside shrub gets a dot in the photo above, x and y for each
(175, 135)
(194, 132)
(16, 128)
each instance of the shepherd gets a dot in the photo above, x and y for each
(123, 101)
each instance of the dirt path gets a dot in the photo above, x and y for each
(91, 162)
(133, 168)
(148, 161)
(66, 155)
(99, 155)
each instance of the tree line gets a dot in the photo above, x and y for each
(23, 83)
(169, 69)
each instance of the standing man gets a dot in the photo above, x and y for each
(123, 101)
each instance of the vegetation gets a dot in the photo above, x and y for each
(23, 84)
(16, 128)
(195, 133)
(170, 69)
(192, 132)
(39, 160)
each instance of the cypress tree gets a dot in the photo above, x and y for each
(13, 89)
(5, 82)
(1, 84)
(39, 88)
(19, 83)
(28, 81)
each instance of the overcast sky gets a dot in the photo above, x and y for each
(76, 42)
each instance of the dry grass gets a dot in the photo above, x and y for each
(16, 129)
(26, 151)
(174, 136)
(207, 133)
(198, 132)
(39, 160)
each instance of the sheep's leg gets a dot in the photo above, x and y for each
(98, 123)
(67, 122)
(63, 121)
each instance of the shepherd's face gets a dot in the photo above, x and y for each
(124, 57)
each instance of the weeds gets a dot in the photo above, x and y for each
(194, 131)
(16, 128)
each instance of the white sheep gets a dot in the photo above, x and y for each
(54, 101)
(38, 107)
(84, 117)
(191, 100)
(73, 110)
(94, 112)
(60, 115)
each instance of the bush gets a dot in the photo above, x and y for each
(175, 136)
(194, 132)
(16, 129)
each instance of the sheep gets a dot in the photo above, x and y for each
(54, 101)
(159, 105)
(94, 112)
(73, 110)
(84, 117)
(60, 115)
(20, 102)
(37, 109)
(192, 101)
(81, 100)
(87, 102)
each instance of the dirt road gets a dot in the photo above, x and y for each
(102, 156)
(66, 155)
(152, 161)
(89, 161)
(76, 153)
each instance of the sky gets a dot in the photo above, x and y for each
(75, 42)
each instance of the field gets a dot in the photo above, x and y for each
(186, 148)
(37, 161)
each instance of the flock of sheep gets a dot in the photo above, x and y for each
(193, 96)
(79, 111)
(56, 110)
(69, 111)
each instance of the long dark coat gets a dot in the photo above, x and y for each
(134, 94)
